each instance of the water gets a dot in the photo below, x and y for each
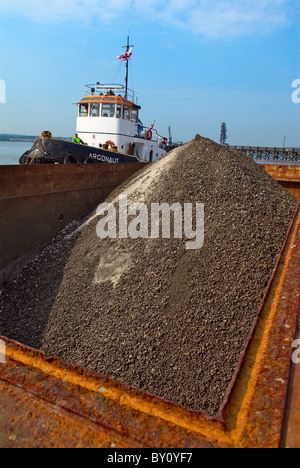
(11, 151)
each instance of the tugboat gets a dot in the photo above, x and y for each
(108, 130)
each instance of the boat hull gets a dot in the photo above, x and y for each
(47, 150)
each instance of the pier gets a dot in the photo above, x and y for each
(270, 153)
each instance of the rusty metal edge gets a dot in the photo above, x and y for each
(291, 407)
(68, 366)
(113, 419)
(206, 429)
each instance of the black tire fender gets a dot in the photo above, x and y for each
(71, 159)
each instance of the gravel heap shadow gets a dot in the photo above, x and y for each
(170, 321)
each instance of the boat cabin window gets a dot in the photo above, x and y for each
(119, 111)
(126, 113)
(108, 110)
(95, 110)
(134, 115)
(83, 110)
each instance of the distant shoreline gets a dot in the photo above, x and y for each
(15, 140)
(11, 138)
(14, 137)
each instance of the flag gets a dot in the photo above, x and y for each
(126, 55)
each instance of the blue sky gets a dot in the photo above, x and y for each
(195, 64)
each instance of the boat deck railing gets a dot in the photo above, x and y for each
(109, 88)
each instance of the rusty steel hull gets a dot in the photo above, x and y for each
(287, 175)
(46, 402)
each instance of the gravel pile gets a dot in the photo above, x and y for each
(148, 312)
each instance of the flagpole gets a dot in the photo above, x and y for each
(127, 68)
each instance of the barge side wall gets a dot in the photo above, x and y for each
(38, 201)
(287, 175)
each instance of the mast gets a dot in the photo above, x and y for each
(126, 78)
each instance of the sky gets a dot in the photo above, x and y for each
(195, 64)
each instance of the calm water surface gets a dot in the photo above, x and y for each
(10, 152)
